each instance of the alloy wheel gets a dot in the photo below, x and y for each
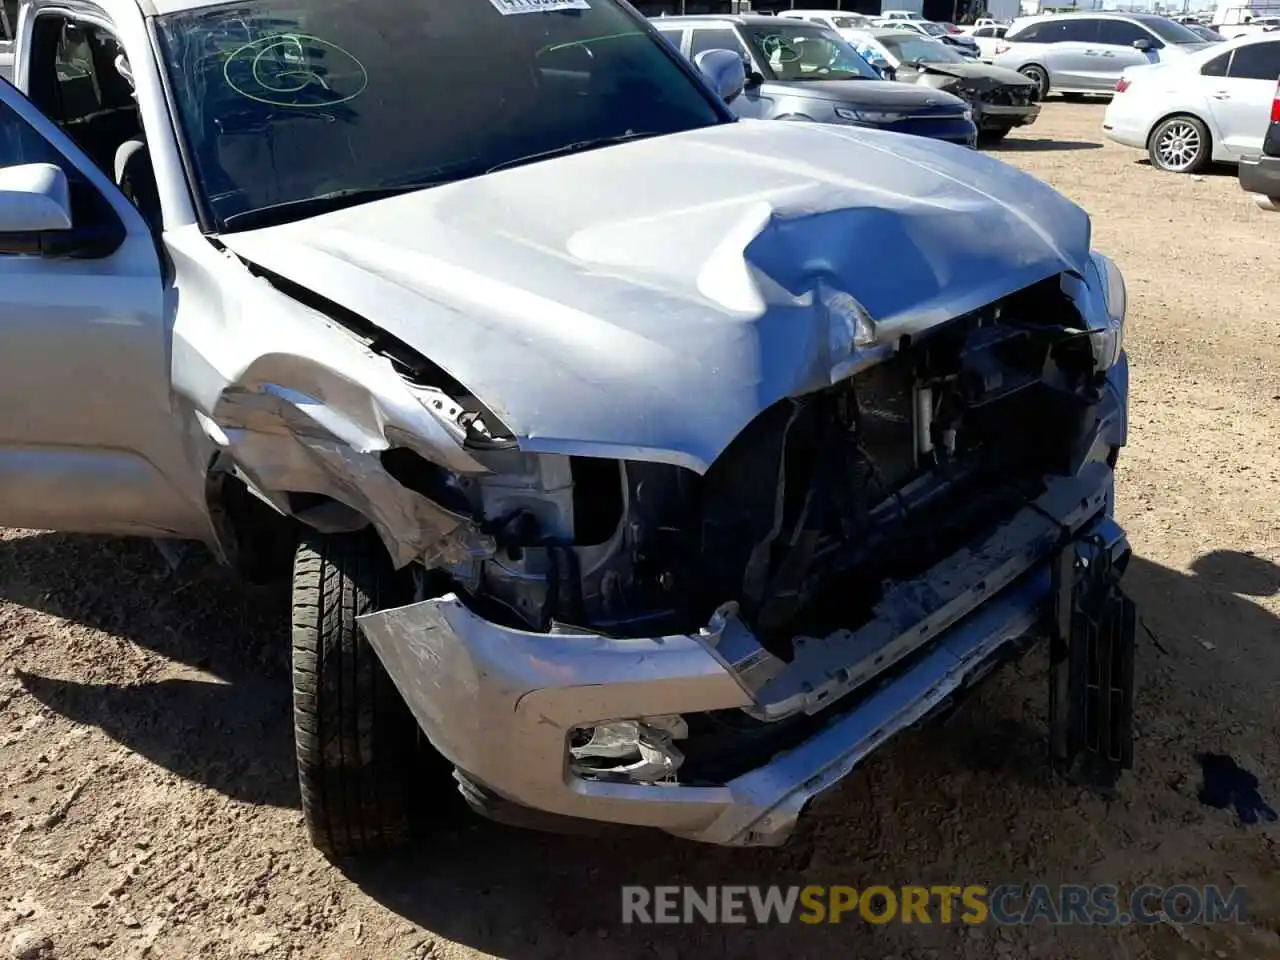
(1178, 145)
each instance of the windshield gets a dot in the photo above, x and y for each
(908, 49)
(1170, 32)
(933, 29)
(282, 102)
(797, 51)
(850, 23)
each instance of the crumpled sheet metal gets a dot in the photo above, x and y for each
(287, 441)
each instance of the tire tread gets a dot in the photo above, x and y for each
(353, 733)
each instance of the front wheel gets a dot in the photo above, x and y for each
(355, 738)
(1040, 77)
(1179, 145)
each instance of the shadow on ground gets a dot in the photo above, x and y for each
(1027, 145)
(526, 895)
(225, 720)
(1225, 170)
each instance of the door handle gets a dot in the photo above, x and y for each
(1091, 53)
(1221, 95)
(1108, 54)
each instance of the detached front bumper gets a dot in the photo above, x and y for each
(501, 704)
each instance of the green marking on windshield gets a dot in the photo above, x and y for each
(552, 47)
(295, 70)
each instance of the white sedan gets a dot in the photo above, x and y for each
(988, 37)
(1212, 105)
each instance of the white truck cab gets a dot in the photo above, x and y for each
(1235, 19)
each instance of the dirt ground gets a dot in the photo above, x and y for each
(148, 804)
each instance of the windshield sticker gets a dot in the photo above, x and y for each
(509, 7)
(295, 70)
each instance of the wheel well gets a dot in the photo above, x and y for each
(1190, 116)
(256, 540)
(794, 116)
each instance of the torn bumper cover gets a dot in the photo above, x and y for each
(502, 704)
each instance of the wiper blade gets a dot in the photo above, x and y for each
(289, 210)
(577, 146)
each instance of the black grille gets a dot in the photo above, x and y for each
(1018, 95)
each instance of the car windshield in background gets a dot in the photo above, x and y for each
(1168, 31)
(909, 49)
(850, 23)
(933, 29)
(802, 52)
(287, 104)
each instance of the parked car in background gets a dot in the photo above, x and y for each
(1213, 105)
(1078, 53)
(844, 23)
(1260, 175)
(933, 31)
(804, 71)
(1000, 99)
(1239, 21)
(900, 15)
(988, 40)
(1207, 34)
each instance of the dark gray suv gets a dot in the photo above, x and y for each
(803, 71)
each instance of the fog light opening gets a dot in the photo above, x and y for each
(632, 751)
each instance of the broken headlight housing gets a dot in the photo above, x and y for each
(1105, 278)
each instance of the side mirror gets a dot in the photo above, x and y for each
(35, 216)
(34, 198)
(1142, 45)
(724, 70)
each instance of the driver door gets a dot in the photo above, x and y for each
(90, 439)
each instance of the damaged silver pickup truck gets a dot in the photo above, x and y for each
(657, 466)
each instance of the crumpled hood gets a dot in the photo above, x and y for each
(988, 76)
(649, 300)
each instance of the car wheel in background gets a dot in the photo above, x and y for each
(1039, 76)
(988, 137)
(1179, 145)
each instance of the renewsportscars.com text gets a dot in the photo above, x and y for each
(1010, 904)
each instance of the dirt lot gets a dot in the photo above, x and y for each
(148, 803)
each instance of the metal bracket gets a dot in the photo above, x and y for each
(1091, 680)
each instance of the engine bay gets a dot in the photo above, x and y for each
(813, 509)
